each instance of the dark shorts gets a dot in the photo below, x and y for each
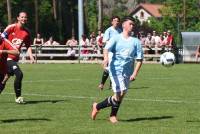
(12, 66)
(1, 77)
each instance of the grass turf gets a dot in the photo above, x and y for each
(59, 98)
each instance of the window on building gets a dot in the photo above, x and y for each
(141, 15)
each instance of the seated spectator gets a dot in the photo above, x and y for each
(38, 41)
(72, 42)
(164, 35)
(71, 53)
(99, 40)
(51, 42)
(149, 43)
(157, 40)
(84, 43)
(162, 41)
(93, 42)
(142, 39)
(170, 39)
(197, 54)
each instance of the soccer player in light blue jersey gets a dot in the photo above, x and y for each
(109, 33)
(126, 50)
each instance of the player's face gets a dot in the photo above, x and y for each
(22, 18)
(128, 25)
(115, 22)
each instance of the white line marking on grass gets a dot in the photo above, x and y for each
(158, 78)
(127, 99)
(38, 81)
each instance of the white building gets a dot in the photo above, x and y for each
(144, 11)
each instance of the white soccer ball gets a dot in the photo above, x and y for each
(167, 59)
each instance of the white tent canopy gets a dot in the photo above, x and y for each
(190, 41)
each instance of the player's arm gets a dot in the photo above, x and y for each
(7, 31)
(13, 52)
(106, 37)
(105, 57)
(29, 51)
(108, 48)
(139, 59)
(27, 42)
(136, 70)
(9, 49)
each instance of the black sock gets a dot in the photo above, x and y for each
(105, 103)
(2, 86)
(104, 77)
(115, 107)
(18, 82)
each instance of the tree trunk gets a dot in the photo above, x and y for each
(100, 12)
(60, 20)
(54, 9)
(9, 12)
(72, 18)
(36, 17)
(85, 14)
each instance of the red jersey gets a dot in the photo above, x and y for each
(169, 39)
(19, 36)
(3, 57)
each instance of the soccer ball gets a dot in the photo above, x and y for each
(167, 59)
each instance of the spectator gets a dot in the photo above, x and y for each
(157, 40)
(51, 42)
(170, 39)
(149, 43)
(197, 54)
(142, 39)
(38, 41)
(93, 42)
(84, 43)
(99, 40)
(164, 35)
(71, 53)
(72, 42)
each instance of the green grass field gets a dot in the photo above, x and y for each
(59, 98)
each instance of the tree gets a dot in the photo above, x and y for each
(100, 12)
(54, 9)
(9, 12)
(36, 16)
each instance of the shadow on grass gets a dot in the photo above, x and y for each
(148, 119)
(19, 120)
(44, 101)
(138, 87)
(191, 121)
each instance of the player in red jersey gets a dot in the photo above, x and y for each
(19, 36)
(5, 49)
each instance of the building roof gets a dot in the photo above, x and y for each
(153, 9)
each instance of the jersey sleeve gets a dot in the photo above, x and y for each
(139, 51)
(111, 43)
(8, 30)
(106, 36)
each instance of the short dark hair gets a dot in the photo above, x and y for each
(114, 17)
(128, 18)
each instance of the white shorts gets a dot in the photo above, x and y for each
(119, 83)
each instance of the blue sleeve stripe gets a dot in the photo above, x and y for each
(4, 35)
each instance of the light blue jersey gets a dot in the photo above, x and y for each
(111, 32)
(125, 51)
